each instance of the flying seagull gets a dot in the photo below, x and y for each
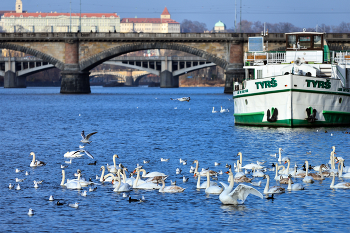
(182, 99)
(86, 139)
(84, 151)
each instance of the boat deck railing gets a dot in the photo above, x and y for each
(257, 58)
(342, 58)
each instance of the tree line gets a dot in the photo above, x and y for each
(256, 27)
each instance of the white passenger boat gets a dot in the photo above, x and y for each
(305, 86)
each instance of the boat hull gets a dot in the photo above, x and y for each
(291, 95)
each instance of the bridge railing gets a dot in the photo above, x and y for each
(146, 58)
(21, 59)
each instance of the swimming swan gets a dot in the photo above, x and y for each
(212, 189)
(274, 189)
(343, 185)
(170, 189)
(36, 163)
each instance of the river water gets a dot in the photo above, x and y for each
(144, 124)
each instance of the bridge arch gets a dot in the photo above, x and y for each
(99, 58)
(35, 53)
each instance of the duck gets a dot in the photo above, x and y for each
(274, 189)
(307, 178)
(170, 189)
(294, 186)
(36, 163)
(213, 111)
(31, 212)
(212, 189)
(85, 139)
(59, 203)
(133, 200)
(94, 163)
(75, 205)
(241, 192)
(51, 198)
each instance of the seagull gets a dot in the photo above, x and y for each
(256, 183)
(91, 189)
(30, 212)
(173, 182)
(75, 205)
(178, 171)
(51, 198)
(10, 186)
(69, 162)
(274, 155)
(19, 180)
(216, 164)
(84, 193)
(86, 139)
(164, 160)
(17, 170)
(124, 195)
(18, 187)
(184, 162)
(63, 166)
(81, 147)
(27, 173)
(145, 161)
(182, 99)
(84, 151)
(36, 185)
(184, 179)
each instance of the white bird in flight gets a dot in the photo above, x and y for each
(86, 138)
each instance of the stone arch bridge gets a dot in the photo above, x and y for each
(75, 54)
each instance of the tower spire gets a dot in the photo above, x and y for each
(19, 6)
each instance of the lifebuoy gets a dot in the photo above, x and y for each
(272, 118)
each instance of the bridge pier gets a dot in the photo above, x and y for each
(75, 82)
(11, 80)
(167, 80)
(129, 81)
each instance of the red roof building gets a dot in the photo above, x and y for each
(164, 24)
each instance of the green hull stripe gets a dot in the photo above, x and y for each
(337, 117)
(294, 90)
(335, 112)
(248, 114)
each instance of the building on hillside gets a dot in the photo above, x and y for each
(220, 27)
(59, 22)
(164, 24)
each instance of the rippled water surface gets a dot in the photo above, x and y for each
(143, 123)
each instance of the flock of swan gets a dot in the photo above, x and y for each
(116, 175)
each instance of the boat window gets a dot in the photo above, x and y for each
(292, 40)
(317, 42)
(305, 42)
(259, 73)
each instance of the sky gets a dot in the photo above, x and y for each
(300, 13)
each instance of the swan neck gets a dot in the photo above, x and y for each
(103, 173)
(288, 167)
(341, 168)
(208, 180)
(196, 170)
(114, 161)
(307, 167)
(332, 184)
(240, 158)
(124, 176)
(232, 182)
(63, 177)
(289, 184)
(163, 185)
(266, 190)
(137, 178)
(198, 180)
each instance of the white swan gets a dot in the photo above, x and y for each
(286, 171)
(130, 180)
(122, 187)
(36, 163)
(346, 175)
(75, 184)
(212, 189)
(151, 174)
(145, 185)
(278, 177)
(223, 110)
(343, 185)
(213, 111)
(102, 178)
(294, 186)
(280, 155)
(241, 192)
(170, 189)
(203, 172)
(204, 184)
(307, 178)
(274, 189)
(257, 173)
(113, 169)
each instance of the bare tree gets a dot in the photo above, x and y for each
(193, 26)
